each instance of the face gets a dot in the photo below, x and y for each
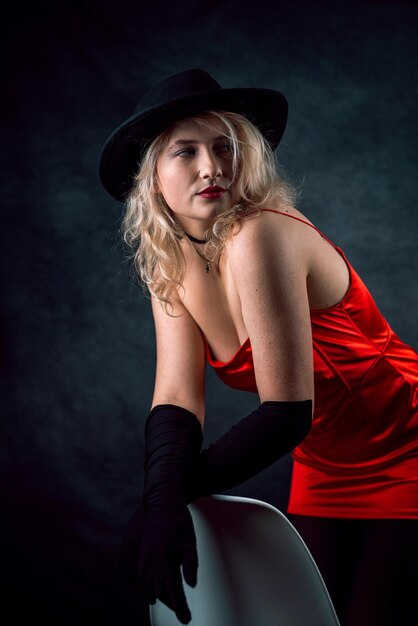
(194, 159)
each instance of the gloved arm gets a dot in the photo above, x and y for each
(160, 537)
(252, 445)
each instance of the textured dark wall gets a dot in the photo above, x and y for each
(77, 360)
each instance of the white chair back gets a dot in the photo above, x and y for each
(254, 570)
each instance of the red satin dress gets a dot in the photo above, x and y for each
(360, 459)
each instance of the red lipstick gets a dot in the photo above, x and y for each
(213, 191)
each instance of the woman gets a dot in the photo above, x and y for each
(240, 278)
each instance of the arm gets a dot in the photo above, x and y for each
(270, 267)
(180, 371)
(273, 293)
(160, 537)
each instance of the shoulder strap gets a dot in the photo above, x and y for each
(303, 222)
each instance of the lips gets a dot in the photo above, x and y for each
(212, 192)
(214, 189)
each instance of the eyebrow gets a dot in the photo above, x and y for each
(185, 142)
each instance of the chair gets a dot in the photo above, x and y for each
(254, 570)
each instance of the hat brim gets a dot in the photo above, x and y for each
(120, 157)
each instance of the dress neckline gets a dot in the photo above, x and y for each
(212, 360)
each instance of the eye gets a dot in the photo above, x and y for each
(223, 150)
(187, 152)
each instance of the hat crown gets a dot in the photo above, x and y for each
(177, 86)
(176, 97)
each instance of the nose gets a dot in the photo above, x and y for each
(210, 164)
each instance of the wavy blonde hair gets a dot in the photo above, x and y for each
(149, 227)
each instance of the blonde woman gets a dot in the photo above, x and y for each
(240, 279)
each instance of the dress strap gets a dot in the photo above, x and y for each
(303, 222)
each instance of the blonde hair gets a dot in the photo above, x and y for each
(149, 227)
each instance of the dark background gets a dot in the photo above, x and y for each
(77, 358)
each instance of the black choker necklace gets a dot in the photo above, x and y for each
(194, 239)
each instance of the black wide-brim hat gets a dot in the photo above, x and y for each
(176, 97)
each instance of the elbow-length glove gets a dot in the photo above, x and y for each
(160, 537)
(250, 446)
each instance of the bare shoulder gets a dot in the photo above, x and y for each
(173, 308)
(269, 232)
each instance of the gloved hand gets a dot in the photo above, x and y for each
(160, 538)
(153, 549)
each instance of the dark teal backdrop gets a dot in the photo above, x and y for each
(78, 356)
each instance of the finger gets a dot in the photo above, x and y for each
(150, 596)
(177, 595)
(190, 565)
(155, 588)
(170, 591)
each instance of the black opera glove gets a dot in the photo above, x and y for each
(160, 537)
(250, 446)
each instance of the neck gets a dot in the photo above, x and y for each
(195, 239)
(195, 229)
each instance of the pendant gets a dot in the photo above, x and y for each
(208, 267)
